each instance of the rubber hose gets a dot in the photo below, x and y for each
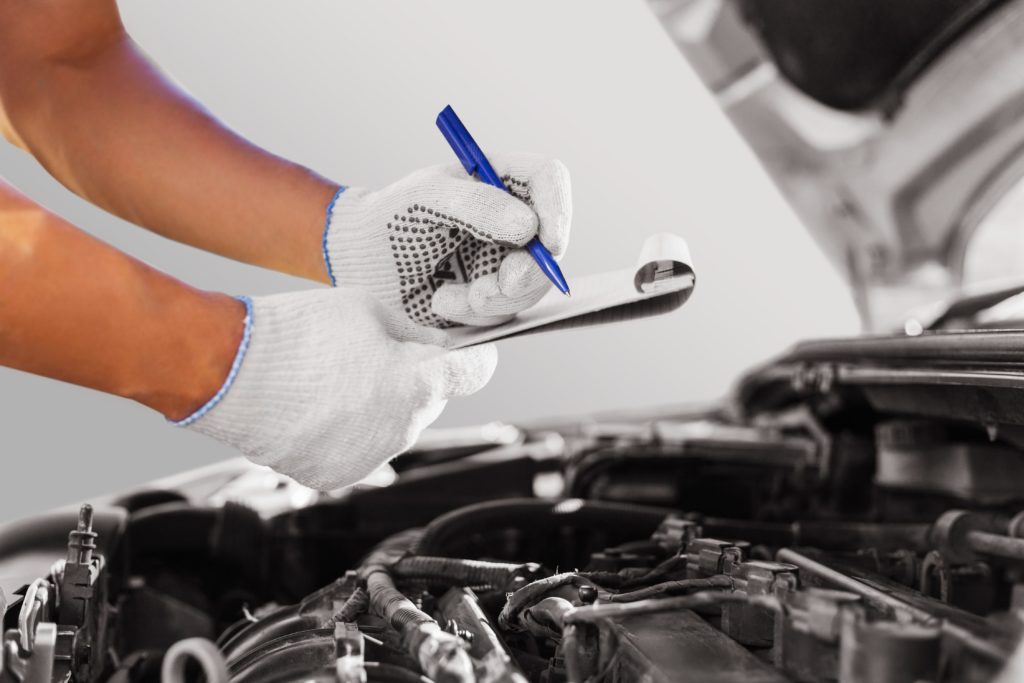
(378, 672)
(389, 551)
(199, 650)
(391, 605)
(571, 655)
(171, 528)
(533, 512)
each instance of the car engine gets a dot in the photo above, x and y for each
(840, 520)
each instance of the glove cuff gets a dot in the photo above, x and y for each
(354, 251)
(270, 405)
(243, 346)
(327, 229)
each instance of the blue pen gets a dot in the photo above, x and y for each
(475, 163)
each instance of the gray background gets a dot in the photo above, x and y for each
(351, 90)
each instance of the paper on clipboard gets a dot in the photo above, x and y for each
(661, 282)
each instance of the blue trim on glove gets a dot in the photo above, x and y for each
(327, 226)
(243, 346)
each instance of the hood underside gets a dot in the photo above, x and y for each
(893, 129)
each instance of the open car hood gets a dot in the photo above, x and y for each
(891, 128)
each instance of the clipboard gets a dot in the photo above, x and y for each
(661, 282)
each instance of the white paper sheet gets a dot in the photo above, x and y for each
(661, 282)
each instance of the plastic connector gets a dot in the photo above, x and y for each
(350, 664)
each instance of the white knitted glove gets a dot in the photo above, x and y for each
(442, 246)
(329, 384)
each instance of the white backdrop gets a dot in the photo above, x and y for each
(351, 89)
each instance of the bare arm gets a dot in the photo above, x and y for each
(75, 309)
(77, 93)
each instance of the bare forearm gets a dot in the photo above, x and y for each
(106, 123)
(77, 310)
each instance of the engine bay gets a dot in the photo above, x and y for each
(807, 532)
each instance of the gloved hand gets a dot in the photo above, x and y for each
(329, 384)
(445, 247)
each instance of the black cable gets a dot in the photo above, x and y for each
(458, 572)
(635, 576)
(668, 588)
(458, 524)
(531, 594)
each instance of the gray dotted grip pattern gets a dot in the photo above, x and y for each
(431, 248)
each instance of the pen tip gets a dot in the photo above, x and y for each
(568, 293)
